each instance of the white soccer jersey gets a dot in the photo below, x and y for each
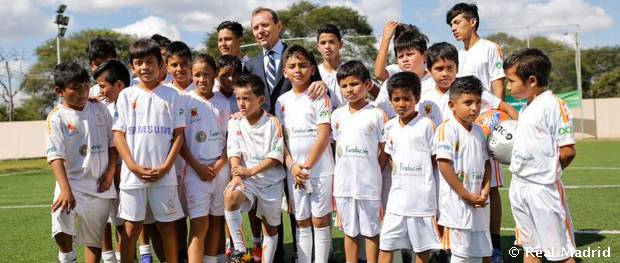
(255, 143)
(300, 117)
(336, 97)
(207, 123)
(383, 99)
(232, 100)
(392, 69)
(94, 91)
(81, 139)
(483, 60)
(357, 134)
(148, 119)
(410, 148)
(179, 162)
(545, 125)
(468, 152)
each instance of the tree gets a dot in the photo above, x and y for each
(608, 85)
(38, 82)
(302, 20)
(8, 82)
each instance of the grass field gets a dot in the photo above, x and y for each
(26, 189)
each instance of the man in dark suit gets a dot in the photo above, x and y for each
(266, 28)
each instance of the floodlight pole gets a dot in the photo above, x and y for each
(58, 46)
(578, 71)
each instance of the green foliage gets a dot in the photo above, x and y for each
(38, 83)
(608, 85)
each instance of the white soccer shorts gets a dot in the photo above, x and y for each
(359, 216)
(542, 219)
(406, 232)
(203, 198)
(318, 203)
(268, 201)
(113, 218)
(467, 243)
(90, 213)
(163, 202)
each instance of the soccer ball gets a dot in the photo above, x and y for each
(489, 119)
(501, 140)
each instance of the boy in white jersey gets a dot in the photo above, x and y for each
(391, 31)
(255, 147)
(408, 142)
(544, 146)
(148, 135)
(463, 163)
(99, 50)
(112, 77)
(308, 155)
(357, 132)
(442, 61)
(79, 147)
(329, 43)
(229, 68)
(204, 153)
(479, 57)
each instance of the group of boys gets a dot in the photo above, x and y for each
(195, 137)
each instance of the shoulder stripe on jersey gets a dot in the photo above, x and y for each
(278, 126)
(563, 113)
(327, 102)
(48, 121)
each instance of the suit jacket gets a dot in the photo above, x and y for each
(256, 66)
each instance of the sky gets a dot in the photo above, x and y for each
(25, 24)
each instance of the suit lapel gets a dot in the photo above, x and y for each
(279, 73)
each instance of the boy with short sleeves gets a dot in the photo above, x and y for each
(99, 50)
(463, 163)
(544, 146)
(79, 150)
(408, 142)
(148, 135)
(255, 147)
(329, 43)
(357, 130)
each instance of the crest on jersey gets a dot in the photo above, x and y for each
(83, 149)
(72, 128)
(201, 136)
(428, 109)
(194, 112)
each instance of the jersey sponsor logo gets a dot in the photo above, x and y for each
(498, 64)
(445, 146)
(297, 132)
(408, 170)
(97, 148)
(565, 130)
(323, 114)
(83, 149)
(201, 136)
(149, 129)
(356, 151)
(524, 157)
(51, 150)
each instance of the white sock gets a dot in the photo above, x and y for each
(257, 241)
(233, 219)
(67, 257)
(145, 250)
(270, 244)
(323, 241)
(209, 259)
(304, 244)
(118, 256)
(222, 258)
(108, 256)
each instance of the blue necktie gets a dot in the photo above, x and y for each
(271, 71)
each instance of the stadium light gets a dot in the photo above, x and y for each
(62, 22)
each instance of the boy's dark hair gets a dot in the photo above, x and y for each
(205, 58)
(180, 49)
(465, 85)
(469, 11)
(143, 48)
(230, 61)
(233, 26)
(402, 28)
(249, 80)
(353, 68)
(162, 41)
(114, 70)
(68, 73)
(328, 29)
(100, 48)
(441, 50)
(274, 14)
(297, 50)
(411, 39)
(530, 62)
(408, 81)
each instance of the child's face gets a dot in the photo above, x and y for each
(462, 27)
(148, 69)
(179, 68)
(228, 43)
(108, 90)
(298, 70)
(466, 107)
(517, 87)
(247, 101)
(329, 46)
(226, 76)
(354, 89)
(403, 101)
(443, 72)
(410, 60)
(75, 95)
(203, 76)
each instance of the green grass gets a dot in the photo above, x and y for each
(25, 235)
